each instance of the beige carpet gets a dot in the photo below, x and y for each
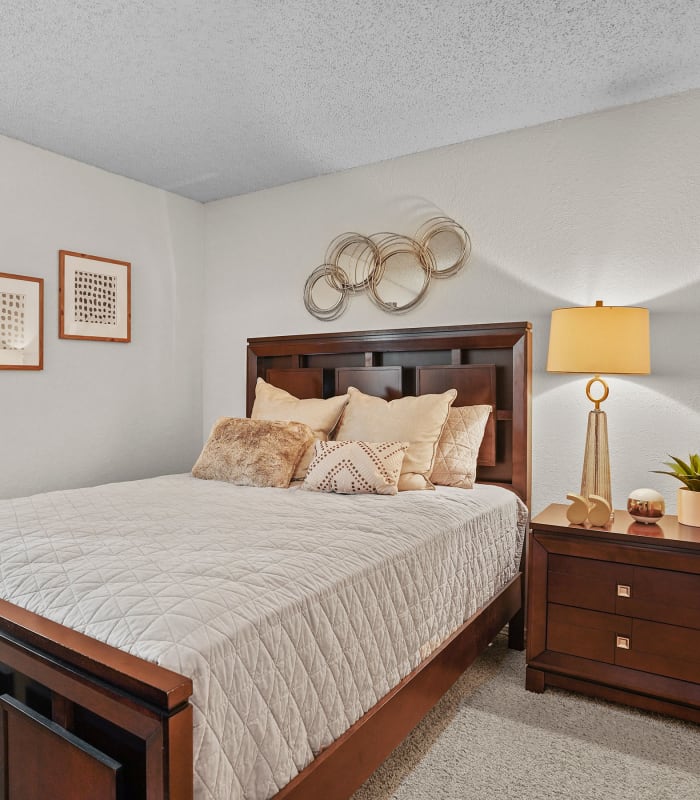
(489, 738)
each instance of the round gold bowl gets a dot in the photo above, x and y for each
(646, 505)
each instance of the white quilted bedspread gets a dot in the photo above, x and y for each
(293, 612)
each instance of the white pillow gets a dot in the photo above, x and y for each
(458, 448)
(416, 420)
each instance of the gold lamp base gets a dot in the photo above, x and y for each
(595, 478)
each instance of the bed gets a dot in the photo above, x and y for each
(80, 716)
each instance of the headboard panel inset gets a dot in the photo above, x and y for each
(384, 382)
(486, 364)
(475, 385)
(302, 383)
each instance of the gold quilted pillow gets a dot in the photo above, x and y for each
(356, 467)
(458, 448)
(251, 452)
(321, 416)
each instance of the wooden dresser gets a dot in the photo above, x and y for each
(614, 612)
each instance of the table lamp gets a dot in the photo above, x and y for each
(598, 340)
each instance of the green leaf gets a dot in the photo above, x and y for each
(687, 474)
(676, 469)
(692, 483)
(665, 472)
(684, 467)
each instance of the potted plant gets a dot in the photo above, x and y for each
(689, 493)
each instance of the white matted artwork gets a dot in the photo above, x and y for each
(21, 322)
(94, 298)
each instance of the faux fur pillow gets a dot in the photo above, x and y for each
(251, 452)
(320, 415)
(356, 467)
(458, 448)
(417, 420)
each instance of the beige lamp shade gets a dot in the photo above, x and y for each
(599, 340)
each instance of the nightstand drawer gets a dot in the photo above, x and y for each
(663, 596)
(663, 650)
(583, 633)
(658, 595)
(585, 582)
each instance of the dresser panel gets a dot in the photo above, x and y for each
(663, 650)
(583, 633)
(663, 596)
(585, 582)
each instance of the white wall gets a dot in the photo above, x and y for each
(604, 206)
(101, 411)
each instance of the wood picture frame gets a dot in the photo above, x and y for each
(94, 297)
(21, 322)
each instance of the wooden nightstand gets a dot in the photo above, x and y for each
(614, 612)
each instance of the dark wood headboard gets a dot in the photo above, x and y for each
(485, 363)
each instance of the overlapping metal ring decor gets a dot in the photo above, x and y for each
(355, 263)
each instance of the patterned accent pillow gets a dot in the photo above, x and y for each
(458, 448)
(416, 420)
(356, 467)
(252, 452)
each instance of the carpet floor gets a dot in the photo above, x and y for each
(489, 738)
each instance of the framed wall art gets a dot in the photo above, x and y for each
(94, 298)
(21, 322)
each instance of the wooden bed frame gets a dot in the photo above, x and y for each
(80, 719)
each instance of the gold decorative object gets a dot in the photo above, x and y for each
(593, 509)
(600, 512)
(441, 226)
(646, 505)
(599, 339)
(336, 279)
(356, 263)
(577, 512)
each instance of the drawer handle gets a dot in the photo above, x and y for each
(624, 591)
(623, 643)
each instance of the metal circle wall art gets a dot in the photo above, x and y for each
(394, 270)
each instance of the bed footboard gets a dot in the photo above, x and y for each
(81, 719)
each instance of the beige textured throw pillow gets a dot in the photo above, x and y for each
(458, 448)
(356, 467)
(320, 415)
(416, 420)
(252, 452)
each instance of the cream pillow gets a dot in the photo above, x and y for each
(320, 415)
(458, 448)
(252, 452)
(356, 467)
(416, 420)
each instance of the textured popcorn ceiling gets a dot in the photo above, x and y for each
(213, 99)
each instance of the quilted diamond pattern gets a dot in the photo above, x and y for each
(293, 612)
(458, 448)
